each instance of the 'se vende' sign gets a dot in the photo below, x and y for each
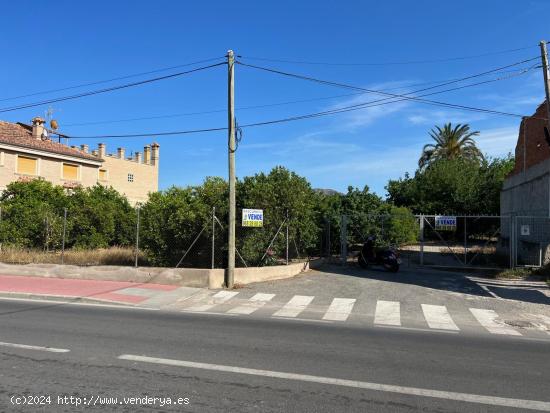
(253, 217)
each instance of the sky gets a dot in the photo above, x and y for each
(394, 46)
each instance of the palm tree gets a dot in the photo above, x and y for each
(450, 143)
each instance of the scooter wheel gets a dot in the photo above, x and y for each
(392, 267)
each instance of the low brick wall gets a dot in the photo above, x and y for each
(188, 277)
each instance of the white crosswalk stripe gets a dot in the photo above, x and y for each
(487, 318)
(295, 306)
(339, 309)
(255, 302)
(218, 298)
(438, 317)
(388, 313)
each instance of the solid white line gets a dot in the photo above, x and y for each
(38, 300)
(438, 317)
(219, 298)
(411, 391)
(487, 318)
(207, 312)
(255, 303)
(39, 348)
(311, 320)
(295, 306)
(427, 330)
(339, 309)
(388, 313)
(486, 289)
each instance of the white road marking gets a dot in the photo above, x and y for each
(487, 318)
(39, 348)
(218, 298)
(427, 330)
(486, 289)
(339, 309)
(256, 302)
(411, 391)
(388, 313)
(308, 320)
(295, 306)
(57, 302)
(438, 317)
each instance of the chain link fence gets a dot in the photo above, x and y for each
(58, 236)
(488, 242)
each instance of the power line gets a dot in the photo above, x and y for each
(335, 111)
(44, 92)
(110, 89)
(391, 95)
(410, 62)
(141, 135)
(439, 83)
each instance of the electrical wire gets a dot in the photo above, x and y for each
(164, 69)
(110, 89)
(442, 60)
(439, 83)
(390, 95)
(344, 109)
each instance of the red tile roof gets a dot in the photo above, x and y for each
(19, 134)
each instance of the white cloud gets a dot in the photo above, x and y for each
(498, 141)
(438, 117)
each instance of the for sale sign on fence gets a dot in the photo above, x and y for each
(445, 223)
(253, 217)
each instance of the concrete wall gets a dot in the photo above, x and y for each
(527, 193)
(189, 277)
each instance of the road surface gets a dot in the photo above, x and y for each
(224, 363)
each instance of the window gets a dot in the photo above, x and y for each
(103, 174)
(70, 171)
(130, 177)
(27, 166)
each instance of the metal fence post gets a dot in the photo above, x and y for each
(465, 242)
(344, 239)
(64, 232)
(287, 237)
(421, 236)
(513, 246)
(213, 233)
(137, 238)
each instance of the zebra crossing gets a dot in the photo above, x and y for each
(386, 313)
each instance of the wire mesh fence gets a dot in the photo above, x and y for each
(442, 241)
(61, 236)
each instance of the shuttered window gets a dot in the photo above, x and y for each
(103, 174)
(70, 171)
(27, 166)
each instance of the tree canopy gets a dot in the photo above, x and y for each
(450, 143)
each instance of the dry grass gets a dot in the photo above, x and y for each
(107, 256)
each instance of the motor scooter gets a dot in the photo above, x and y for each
(387, 258)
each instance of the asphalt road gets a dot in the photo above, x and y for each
(259, 365)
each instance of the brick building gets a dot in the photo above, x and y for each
(526, 191)
(525, 195)
(26, 152)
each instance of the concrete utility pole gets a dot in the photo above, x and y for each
(544, 56)
(229, 275)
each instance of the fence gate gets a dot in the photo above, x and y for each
(463, 241)
(435, 240)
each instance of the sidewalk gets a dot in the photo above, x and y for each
(126, 293)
